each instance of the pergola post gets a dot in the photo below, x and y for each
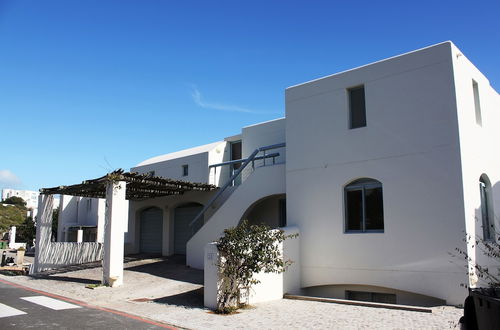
(12, 237)
(116, 218)
(43, 230)
(79, 236)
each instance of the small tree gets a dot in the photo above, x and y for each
(245, 251)
(26, 232)
(491, 250)
(15, 200)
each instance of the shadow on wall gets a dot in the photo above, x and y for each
(270, 211)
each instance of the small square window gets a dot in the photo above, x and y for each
(185, 170)
(357, 108)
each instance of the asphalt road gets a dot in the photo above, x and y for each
(21, 308)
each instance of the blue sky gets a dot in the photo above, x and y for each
(90, 86)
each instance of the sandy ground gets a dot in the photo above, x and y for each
(166, 291)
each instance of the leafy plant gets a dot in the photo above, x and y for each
(26, 231)
(245, 251)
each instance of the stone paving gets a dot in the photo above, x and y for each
(173, 294)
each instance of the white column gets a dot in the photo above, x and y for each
(79, 236)
(43, 231)
(115, 220)
(12, 237)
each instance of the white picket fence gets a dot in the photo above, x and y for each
(60, 254)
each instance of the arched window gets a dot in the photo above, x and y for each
(486, 211)
(364, 209)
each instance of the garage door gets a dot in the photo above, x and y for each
(151, 230)
(182, 231)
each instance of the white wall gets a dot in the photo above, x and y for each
(216, 156)
(80, 211)
(198, 168)
(29, 196)
(410, 144)
(479, 148)
(264, 134)
(197, 163)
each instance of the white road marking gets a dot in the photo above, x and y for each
(50, 302)
(6, 311)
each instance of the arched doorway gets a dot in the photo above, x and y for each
(270, 211)
(151, 230)
(183, 215)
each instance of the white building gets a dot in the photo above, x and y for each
(29, 196)
(385, 168)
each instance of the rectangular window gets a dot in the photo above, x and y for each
(354, 209)
(477, 104)
(357, 108)
(374, 214)
(487, 232)
(386, 298)
(185, 170)
(282, 210)
(235, 154)
(364, 206)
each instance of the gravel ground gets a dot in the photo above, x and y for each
(165, 291)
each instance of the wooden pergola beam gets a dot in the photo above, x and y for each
(138, 186)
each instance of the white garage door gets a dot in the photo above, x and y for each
(151, 230)
(182, 231)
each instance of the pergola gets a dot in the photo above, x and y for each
(116, 187)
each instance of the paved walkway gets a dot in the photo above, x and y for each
(162, 290)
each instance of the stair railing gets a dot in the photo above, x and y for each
(251, 159)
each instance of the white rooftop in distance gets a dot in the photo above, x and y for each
(181, 153)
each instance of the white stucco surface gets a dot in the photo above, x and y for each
(478, 145)
(411, 145)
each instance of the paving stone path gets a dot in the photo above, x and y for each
(173, 295)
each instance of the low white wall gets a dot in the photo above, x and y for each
(291, 251)
(269, 288)
(17, 245)
(60, 254)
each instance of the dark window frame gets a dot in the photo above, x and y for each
(185, 170)
(282, 213)
(354, 111)
(362, 185)
(486, 208)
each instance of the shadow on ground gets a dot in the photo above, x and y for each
(173, 268)
(189, 299)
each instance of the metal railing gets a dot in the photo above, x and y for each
(245, 162)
